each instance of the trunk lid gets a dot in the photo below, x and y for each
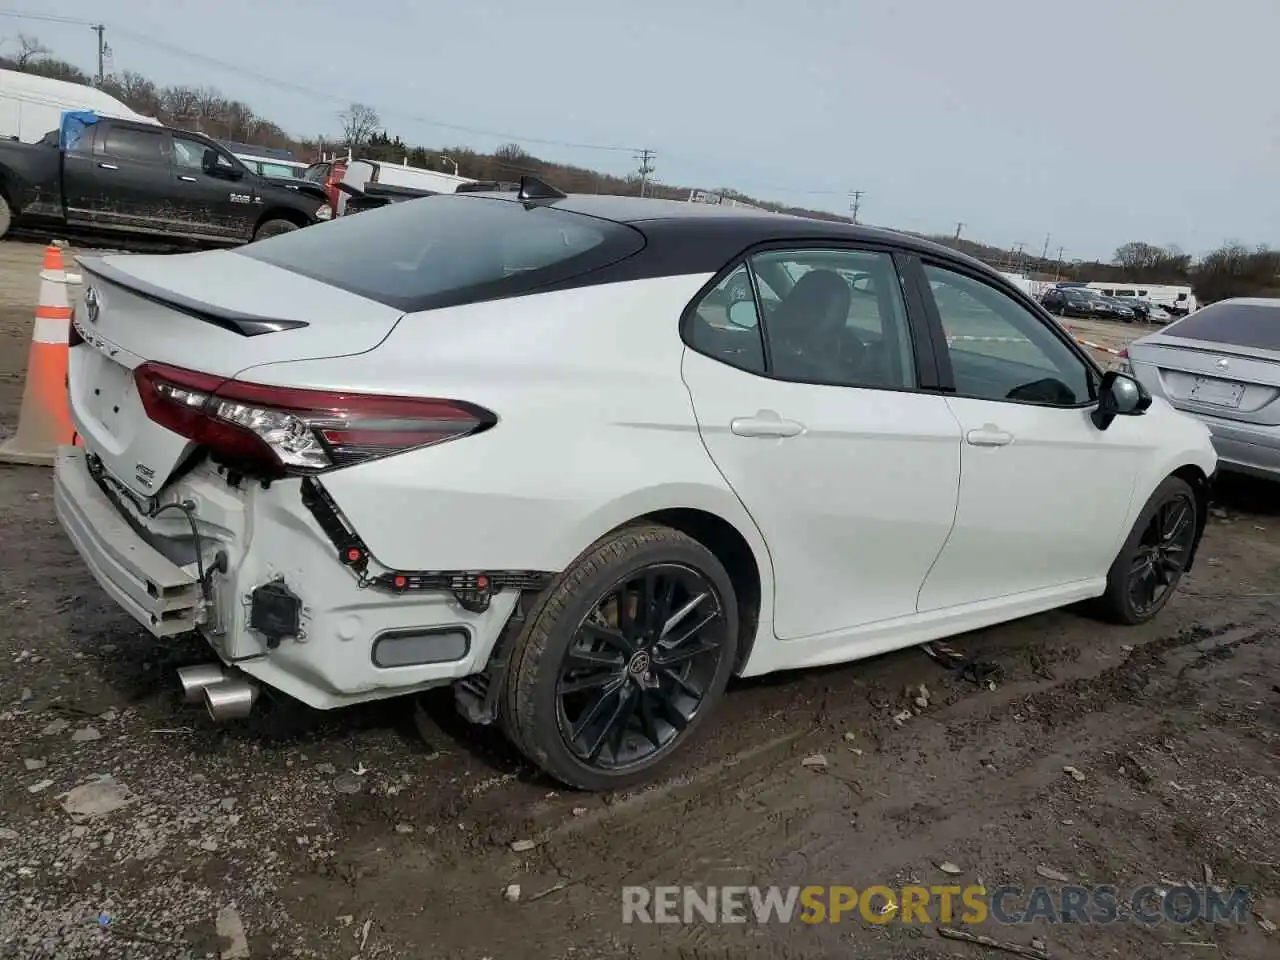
(1217, 379)
(216, 312)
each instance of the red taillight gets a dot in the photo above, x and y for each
(285, 430)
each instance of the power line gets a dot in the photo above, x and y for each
(311, 92)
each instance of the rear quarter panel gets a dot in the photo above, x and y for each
(595, 428)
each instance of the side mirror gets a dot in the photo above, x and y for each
(1119, 396)
(211, 165)
(742, 314)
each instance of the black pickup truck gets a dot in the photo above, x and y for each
(134, 178)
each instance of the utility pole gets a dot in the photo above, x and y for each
(646, 167)
(959, 226)
(1058, 273)
(99, 29)
(855, 201)
(1045, 254)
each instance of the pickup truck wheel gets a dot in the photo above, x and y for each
(273, 228)
(624, 658)
(6, 217)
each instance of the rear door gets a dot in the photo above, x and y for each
(811, 395)
(125, 183)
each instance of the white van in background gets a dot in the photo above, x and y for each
(32, 105)
(1179, 300)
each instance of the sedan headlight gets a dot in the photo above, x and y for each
(324, 212)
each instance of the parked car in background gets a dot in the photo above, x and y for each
(341, 454)
(1070, 302)
(328, 174)
(105, 175)
(1221, 364)
(1120, 310)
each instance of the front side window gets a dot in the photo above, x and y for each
(838, 318)
(188, 154)
(1000, 350)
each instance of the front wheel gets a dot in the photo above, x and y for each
(1154, 556)
(273, 228)
(625, 656)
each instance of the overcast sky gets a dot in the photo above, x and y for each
(1094, 121)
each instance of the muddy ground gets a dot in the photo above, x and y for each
(353, 834)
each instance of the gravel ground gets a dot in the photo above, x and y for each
(130, 826)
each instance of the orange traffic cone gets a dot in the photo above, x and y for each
(44, 420)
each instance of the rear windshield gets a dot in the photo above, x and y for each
(1240, 324)
(448, 250)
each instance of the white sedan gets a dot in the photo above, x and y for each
(586, 457)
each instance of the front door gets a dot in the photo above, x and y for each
(1044, 494)
(211, 204)
(805, 386)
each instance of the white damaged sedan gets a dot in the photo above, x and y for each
(584, 458)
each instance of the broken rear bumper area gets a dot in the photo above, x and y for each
(278, 602)
(159, 594)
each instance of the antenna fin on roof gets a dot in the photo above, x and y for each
(531, 188)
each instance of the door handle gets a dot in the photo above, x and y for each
(989, 435)
(187, 179)
(766, 423)
(108, 166)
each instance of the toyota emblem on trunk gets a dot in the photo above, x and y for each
(91, 304)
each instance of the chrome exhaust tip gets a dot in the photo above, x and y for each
(194, 679)
(231, 698)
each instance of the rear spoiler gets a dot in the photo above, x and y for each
(377, 194)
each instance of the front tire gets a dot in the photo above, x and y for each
(6, 217)
(624, 657)
(273, 228)
(1149, 566)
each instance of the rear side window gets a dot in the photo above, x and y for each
(448, 250)
(129, 144)
(1241, 324)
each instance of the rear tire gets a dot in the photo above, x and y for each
(1154, 555)
(602, 688)
(273, 228)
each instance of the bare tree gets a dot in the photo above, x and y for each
(510, 152)
(29, 48)
(135, 90)
(359, 123)
(180, 104)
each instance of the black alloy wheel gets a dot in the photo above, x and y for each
(640, 665)
(1162, 553)
(622, 658)
(1154, 557)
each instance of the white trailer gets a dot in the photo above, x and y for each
(361, 175)
(32, 106)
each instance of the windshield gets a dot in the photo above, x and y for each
(449, 249)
